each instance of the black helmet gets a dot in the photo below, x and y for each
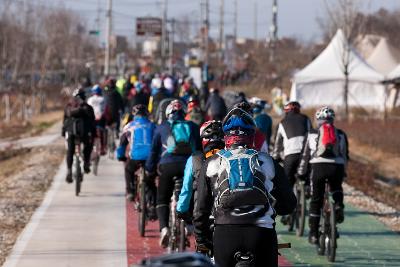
(211, 132)
(79, 92)
(185, 259)
(140, 110)
(240, 119)
(245, 106)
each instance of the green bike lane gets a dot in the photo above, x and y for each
(364, 241)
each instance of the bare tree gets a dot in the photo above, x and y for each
(345, 15)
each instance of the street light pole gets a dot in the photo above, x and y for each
(108, 40)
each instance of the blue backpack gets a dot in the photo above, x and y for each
(180, 141)
(244, 184)
(141, 139)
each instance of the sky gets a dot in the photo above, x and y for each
(296, 18)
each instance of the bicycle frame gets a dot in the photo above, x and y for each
(78, 174)
(177, 239)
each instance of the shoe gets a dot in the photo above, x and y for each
(164, 237)
(86, 167)
(313, 239)
(68, 179)
(339, 213)
(151, 213)
(130, 197)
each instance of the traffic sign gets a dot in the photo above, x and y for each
(149, 26)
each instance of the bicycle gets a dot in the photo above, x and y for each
(246, 259)
(111, 146)
(96, 152)
(327, 243)
(298, 217)
(177, 239)
(141, 200)
(77, 173)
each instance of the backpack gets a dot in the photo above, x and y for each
(180, 141)
(327, 142)
(141, 139)
(245, 185)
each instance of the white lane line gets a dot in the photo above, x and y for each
(26, 235)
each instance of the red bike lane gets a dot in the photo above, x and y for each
(143, 247)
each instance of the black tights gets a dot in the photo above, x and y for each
(87, 149)
(261, 242)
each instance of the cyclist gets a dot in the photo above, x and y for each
(326, 154)
(138, 135)
(245, 189)
(158, 93)
(212, 139)
(188, 89)
(114, 103)
(215, 106)
(194, 112)
(98, 104)
(173, 142)
(79, 121)
(262, 119)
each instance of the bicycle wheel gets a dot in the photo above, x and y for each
(182, 236)
(142, 203)
(331, 235)
(96, 164)
(78, 174)
(301, 210)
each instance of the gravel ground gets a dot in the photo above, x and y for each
(384, 213)
(22, 192)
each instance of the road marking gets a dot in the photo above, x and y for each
(37, 216)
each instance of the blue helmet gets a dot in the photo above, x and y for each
(96, 90)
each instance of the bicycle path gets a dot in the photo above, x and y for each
(363, 241)
(98, 228)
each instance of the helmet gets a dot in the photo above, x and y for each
(79, 93)
(325, 114)
(183, 259)
(239, 128)
(245, 106)
(139, 110)
(156, 83)
(193, 101)
(292, 106)
(211, 132)
(96, 90)
(174, 109)
(110, 83)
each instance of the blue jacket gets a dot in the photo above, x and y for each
(187, 188)
(139, 134)
(264, 123)
(158, 153)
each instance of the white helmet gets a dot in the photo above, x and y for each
(325, 114)
(156, 83)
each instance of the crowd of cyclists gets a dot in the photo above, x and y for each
(230, 170)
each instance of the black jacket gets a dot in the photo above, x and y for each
(75, 110)
(282, 192)
(114, 103)
(215, 106)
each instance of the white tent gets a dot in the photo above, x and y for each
(322, 81)
(394, 74)
(384, 58)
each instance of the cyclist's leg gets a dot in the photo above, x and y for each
(290, 164)
(130, 188)
(70, 157)
(335, 184)
(87, 151)
(318, 175)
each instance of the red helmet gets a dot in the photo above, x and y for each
(292, 106)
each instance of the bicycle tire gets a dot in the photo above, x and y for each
(96, 164)
(142, 203)
(182, 236)
(331, 246)
(78, 174)
(301, 214)
(321, 239)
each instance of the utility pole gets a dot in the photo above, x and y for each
(164, 35)
(108, 39)
(273, 30)
(171, 47)
(235, 22)
(255, 22)
(221, 28)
